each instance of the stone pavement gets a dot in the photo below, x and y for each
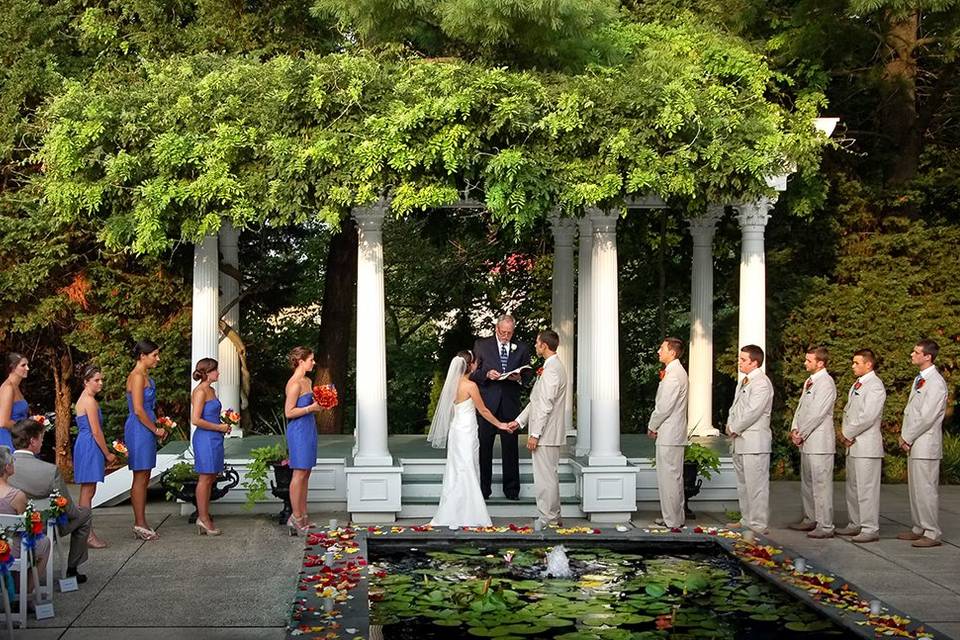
(240, 585)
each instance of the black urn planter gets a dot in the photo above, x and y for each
(691, 486)
(228, 479)
(281, 490)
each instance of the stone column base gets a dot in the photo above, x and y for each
(373, 493)
(607, 493)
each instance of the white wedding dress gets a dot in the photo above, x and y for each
(461, 503)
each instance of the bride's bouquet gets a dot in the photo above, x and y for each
(326, 396)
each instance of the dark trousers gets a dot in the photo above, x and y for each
(510, 459)
(78, 528)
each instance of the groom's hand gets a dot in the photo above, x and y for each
(493, 374)
(532, 443)
(513, 426)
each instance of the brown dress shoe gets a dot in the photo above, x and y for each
(734, 525)
(93, 542)
(847, 531)
(865, 537)
(908, 535)
(924, 542)
(820, 534)
(802, 526)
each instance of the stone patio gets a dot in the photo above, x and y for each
(240, 585)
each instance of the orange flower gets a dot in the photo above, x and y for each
(4, 548)
(326, 396)
(60, 502)
(119, 447)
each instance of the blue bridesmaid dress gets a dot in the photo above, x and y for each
(302, 437)
(88, 459)
(18, 412)
(140, 441)
(207, 444)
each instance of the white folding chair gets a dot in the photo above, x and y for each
(23, 564)
(45, 592)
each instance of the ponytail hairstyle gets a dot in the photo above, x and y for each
(205, 366)
(298, 355)
(144, 348)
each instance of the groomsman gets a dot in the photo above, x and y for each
(668, 426)
(862, 437)
(748, 424)
(496, 356)
(921, 437)
(812, 431)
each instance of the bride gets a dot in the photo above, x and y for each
(461, 503)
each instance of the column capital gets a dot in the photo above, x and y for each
(603, 222)
(370, 218)
(564, 229)
(753, 215)
(586, 227)
(702, 227)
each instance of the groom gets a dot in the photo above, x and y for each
(496, 356)
(544, 417)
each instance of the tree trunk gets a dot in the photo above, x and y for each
(898, 110)
(63, 405)
(662, 276)
(336, 321)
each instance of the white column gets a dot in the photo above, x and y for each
(562, 308)
(584, 339)
(753, 217)
(605, 345)
(372, 447)
(205, 332)
(228, 387)
(700, 395)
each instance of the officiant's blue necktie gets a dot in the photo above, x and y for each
(503, 357)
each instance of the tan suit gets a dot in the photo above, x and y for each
(923, 431)
(39, 479)
(861, 423)
(544, 418)
(813, 421)
(669, 422)
(750, 419)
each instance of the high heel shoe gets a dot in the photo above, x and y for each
(143, 533)
(305, 523)
(204, 530)
(293, 527)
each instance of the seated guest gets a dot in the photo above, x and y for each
(38, 479)
(13, 502)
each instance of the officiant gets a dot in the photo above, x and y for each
(498, 356)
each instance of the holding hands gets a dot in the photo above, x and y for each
(509, 427)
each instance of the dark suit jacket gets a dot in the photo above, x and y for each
(501, 397)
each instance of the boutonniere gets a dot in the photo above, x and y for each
(513, 347)
(857, 385)
(920, 383)
(662, 373)
(807, 385)
(745, 382)
(539, 371)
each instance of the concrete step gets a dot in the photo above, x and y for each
(523, 509)
(430, 486)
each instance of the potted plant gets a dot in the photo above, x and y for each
(180, 482)
(262, 460)
(701, 461)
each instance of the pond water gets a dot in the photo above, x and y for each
(466, 591)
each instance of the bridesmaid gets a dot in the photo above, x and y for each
(299, 407)
(207, 440)
(90, 451)
(13, 407)
(140, 432)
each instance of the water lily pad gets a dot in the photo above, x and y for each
(765, 617)
(655, 590)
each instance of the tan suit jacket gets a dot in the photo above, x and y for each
(813, 419)
(750, 414)
(862, 416)
(669, 417)
(923, 417)
(544, 414)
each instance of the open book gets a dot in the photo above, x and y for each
(504, 376)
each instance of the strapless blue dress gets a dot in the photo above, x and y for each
(140, 441)
(302, 437)
(18, 412)
(88, 459)
(207, 444)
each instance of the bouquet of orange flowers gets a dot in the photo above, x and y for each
(326, 395)
(166, 423)
(230, 418)
(58, 508)
(41, 420)
(33, 525)
(6, 557)
(119, 449)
